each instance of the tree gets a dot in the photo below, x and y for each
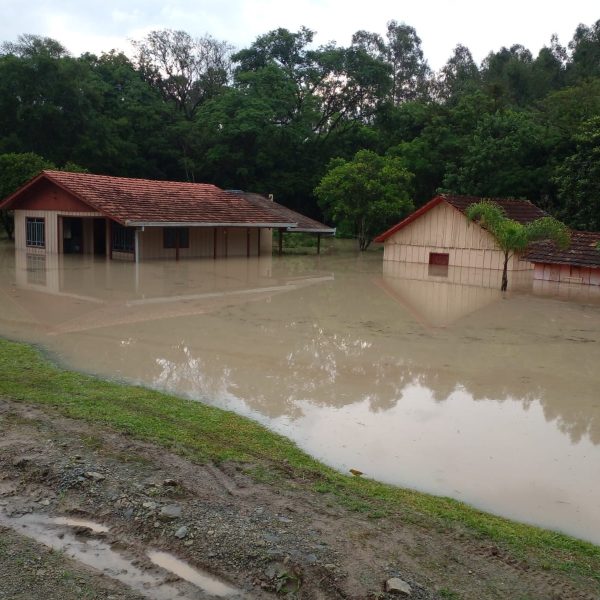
(459, 75)
(403, 53)
(370, 192)
(578, 180)
(15, 170)
(513, 236)
(506, 155)
(185, 70)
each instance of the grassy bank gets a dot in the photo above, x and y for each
(205, 434)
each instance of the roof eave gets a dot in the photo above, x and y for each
(382, 237)
(206, 224)
(325, 231)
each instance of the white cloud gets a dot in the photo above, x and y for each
(87, 25)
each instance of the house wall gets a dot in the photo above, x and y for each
(567, 274)
(444, 229)
(53, 235)
(231, 241)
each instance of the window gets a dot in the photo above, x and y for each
(123, 238)
(439, 258)
(176, 237)
(35, 232)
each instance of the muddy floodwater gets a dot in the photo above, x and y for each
(429, 379)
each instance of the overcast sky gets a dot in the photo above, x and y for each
(101, 25)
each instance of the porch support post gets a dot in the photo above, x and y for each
(226, 242)
(258, 242)
(214, 242)
(318, 243)
(248, 242)
(110, 239)
(280, 241)
(136, 246)
(176, 244)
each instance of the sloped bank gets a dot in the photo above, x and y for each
(206, 435)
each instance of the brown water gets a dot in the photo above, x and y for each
(427, 379)
(151, 583)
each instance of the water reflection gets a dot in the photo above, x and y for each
(423, 378)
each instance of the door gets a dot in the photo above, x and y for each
(99, 237)
(72, 229)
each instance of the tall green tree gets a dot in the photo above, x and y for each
(15, 170)
(512, 236)
(578, 180)
(370, 192)
(401, 51)
(185, 70)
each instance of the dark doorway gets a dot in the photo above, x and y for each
(72, 235)
(99, 237)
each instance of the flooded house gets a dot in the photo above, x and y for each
(59, 212)
(577, 264)
(440, 234)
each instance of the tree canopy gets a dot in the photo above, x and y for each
(369, 193)
(271, 116)
(514, 237)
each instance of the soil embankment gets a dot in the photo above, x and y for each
(256, 539)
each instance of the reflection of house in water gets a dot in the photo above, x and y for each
(439, 295)
(66, 294)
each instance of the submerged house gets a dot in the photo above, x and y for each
(59, 212)
(439, 233)
(579, 263)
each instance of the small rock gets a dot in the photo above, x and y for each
(356, 472)
(181, 532)
(45, 502)
(169, 483)
(170, 512)
(150, 505)
(95, 476)
(395, 585)
(188, 542)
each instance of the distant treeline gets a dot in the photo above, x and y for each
(270, 117)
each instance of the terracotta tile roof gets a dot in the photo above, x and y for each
(144, 201)
(522, 211)
(304, 224)
(582, 251)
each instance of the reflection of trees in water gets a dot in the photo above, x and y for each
(337, 370)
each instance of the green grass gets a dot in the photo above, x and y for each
(206, 434)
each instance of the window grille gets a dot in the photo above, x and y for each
(123, 238)
(35, 232)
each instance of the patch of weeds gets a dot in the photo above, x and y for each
(92, 442)
(448, 594)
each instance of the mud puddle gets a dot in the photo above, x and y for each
(75, 538)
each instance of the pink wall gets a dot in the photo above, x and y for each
(567, 273)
